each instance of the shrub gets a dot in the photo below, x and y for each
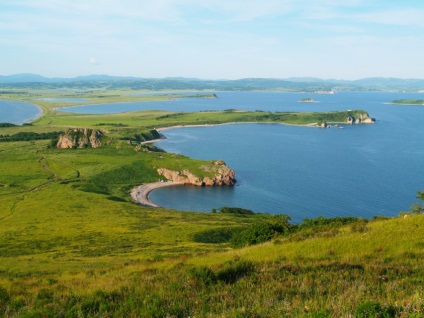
(254, 234)
(230, 210)
(4, 296)
(262, 231)
(374, 309)
(204, 276)
(235, 270)
(117, 199)
(216, 236)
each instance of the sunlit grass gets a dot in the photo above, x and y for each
(73, 244)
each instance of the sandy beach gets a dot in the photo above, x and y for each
(141, 193)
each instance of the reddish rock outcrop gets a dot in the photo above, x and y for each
(80, 138)
(219, 175)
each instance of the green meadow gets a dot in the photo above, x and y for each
(72, 244)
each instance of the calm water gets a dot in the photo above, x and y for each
(17, 112)
(363, 170)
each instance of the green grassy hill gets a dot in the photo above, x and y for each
(72, 244)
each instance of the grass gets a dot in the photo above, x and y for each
(74, 245)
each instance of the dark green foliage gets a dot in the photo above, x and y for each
(4, 295)
(204, 276)
(4, 300)
(44, 296)
(112, 124)
(26, 136)
(264, 231)
(152, 148)
(418, 208)
(117, 199)
(322, 221)
(234, 211)
(124, 175)
(215, 236)
(235, 270)
(174, 115)
(7, 125)
(91, 187)
(374, 310)
(254, 234)
(143, 136)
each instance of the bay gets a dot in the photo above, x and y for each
(361, 170)
(17, 112)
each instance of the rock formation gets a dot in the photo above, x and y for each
(221, 175)
(362, 119)
(80, 138)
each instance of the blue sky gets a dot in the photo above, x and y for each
(213, 39)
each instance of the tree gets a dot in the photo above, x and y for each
(418, 208)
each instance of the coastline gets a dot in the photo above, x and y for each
(41, 114)
(140, 194)
(235, 123)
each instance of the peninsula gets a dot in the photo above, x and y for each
(74, 243)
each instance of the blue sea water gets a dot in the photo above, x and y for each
(17, 112)
(361, 170)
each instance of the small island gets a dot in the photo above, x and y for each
(409, 102)
(308, 100)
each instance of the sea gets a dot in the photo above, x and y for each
(305, 172)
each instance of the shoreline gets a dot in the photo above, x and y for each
(235, 123)
(140, 194)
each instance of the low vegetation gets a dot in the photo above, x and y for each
(409, 101)
(74, 245)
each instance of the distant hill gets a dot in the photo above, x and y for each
(295, 84)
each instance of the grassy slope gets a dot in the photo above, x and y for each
(95, 253)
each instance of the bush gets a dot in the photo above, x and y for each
(204, 276)
(235, 270)
(262, 231)
(230, 210)
(322, 221)
(255, 234)
(4, 296)
(374, 310)
(117, 199)
(7, 125)
(216, 236)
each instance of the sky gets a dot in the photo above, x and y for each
(213, 39)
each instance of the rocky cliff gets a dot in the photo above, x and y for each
(80, 138)
(219, 175)
(362, 118)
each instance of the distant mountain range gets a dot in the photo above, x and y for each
(306, 84)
